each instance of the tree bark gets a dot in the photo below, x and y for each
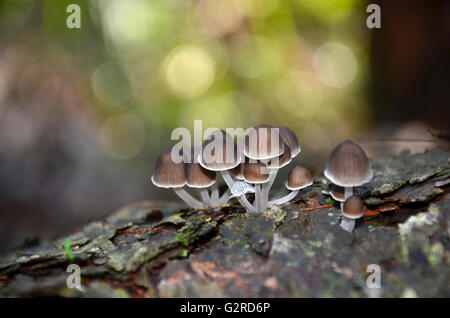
(295, 250)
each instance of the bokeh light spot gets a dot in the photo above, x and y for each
(335, 65)
(189, 71)
(128, 22)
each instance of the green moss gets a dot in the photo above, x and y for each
(68, 251)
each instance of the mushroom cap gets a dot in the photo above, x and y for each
(337, 192)
(299, 178)
(238, 171)
(168, 174)
(263, 142)
(256, 172)
(199, 177)
(348, 165)
(219, 152)
(279, 162)
(290, 139)
(353, 208)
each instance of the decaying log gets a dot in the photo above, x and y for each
(150, 249)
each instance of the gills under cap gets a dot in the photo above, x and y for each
(348, 165)
(168, 174)
(299, 178)
(353, 208)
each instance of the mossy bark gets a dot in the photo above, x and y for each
(295, 250)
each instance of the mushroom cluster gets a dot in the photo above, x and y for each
(348, 167)
(247, 167)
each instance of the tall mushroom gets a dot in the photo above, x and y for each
(256, 173)
(348, 167)
(353, 209)
(262, 144)
(169, 174)
(291, 148)
(299, 178)
(220, 153)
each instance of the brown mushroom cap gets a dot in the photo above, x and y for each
(290, 139)
(348, 165)
(337, 192)
(263, 142)
(256, 172)
(238, 172)
(199, 177)
(280, 161)
(353, 208)
(168, 174)
(219, 152)
(299, 178)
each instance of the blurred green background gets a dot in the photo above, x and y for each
(84, 112)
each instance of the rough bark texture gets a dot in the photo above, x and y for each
(295, 250)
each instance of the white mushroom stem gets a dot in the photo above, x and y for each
(215, 192)
(258, 198)
(205, 197)
(189, 199)
(347, 224)
(224, 198)
(284, 199)
(266, 188)
(243, 199)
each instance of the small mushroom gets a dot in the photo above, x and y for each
(353, 209)
(264, 144)
(169, 174)
(200, 178)
(291, 148)
(348, 167)
(299, 178)
(256, 173)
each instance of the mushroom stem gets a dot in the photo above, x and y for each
(258, 198)
(348, 192)
(189, 199)
(266, 188)
(205, 197)
(215, 192)
(224, 198)
(347, 224)
(243, 199)
(284, 199)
